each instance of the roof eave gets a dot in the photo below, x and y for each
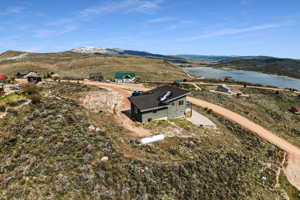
(153, 108)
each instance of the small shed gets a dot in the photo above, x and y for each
(125, 77)
(224, 88)
(96, 77)
(296, 110)
(33, 77)
(176, 84)
(22, 74)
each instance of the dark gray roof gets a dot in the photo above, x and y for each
(96, 75)
(151, 99)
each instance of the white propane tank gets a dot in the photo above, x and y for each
(152, 139)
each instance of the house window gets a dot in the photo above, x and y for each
(181, 102)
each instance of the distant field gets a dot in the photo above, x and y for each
(80, 65)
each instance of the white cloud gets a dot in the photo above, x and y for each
(244, 2)
(173, 20)
(61, 22)
(234, 31)
(12, 11)
(124, 6)
(162, 20)
(42, 33)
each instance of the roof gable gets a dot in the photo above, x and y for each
(32, 74)
(95, 75)
(159, 97)
(122, 75)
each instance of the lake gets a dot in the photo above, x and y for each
(246, 76)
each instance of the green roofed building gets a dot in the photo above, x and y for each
(125, 77)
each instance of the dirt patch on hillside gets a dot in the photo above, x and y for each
(292, 170)
(103, 100)
(116, 100)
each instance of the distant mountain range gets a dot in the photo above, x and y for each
(214, 58)
(178, 58)
(117, 51)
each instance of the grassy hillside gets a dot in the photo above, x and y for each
(268, 108)
(9, 54)
(284, 67)
(47, 152)
(80, 65)
(219, 58)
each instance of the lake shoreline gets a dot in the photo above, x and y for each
(245, 76)
(231, 69)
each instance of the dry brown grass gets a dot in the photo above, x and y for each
(80, 65)
(9, 54)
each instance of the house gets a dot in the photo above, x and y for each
(22, 74)
(296, 110)
(96, 77)
(55, 77)
(33, 77)
(176, 84)
(125, 77)
(161, 103)
(224, 88)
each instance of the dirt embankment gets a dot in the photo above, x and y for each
(118, 99)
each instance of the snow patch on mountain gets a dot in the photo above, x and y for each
(19, 57)
(88, 50)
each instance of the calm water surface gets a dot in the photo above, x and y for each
(246, 76)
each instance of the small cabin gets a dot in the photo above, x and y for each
(22, 74)
(125, 77)
(55, 77)
(33, 77)
(224, 88)
(161, 103)
(96, 77)
(176, 84)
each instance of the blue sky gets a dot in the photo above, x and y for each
(218, 27)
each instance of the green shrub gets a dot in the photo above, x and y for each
(2, 108)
